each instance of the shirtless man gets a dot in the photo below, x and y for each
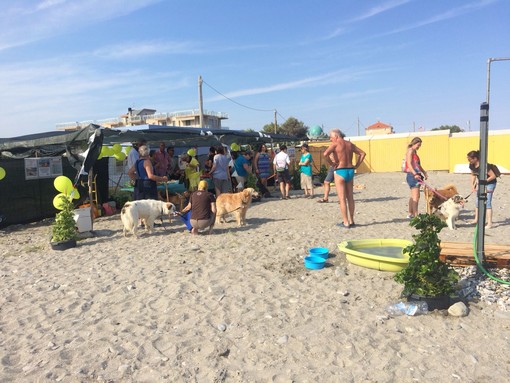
(343, 152)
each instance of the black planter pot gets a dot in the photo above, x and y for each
(63, 245)
(441, 302)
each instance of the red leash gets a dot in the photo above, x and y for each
(422, 182)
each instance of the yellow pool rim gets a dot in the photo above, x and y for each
(354, 252)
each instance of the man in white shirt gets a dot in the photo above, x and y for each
(133, 153)
(281, 164)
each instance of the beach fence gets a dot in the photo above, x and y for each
(440, 151)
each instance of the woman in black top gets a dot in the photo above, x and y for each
(474, 165)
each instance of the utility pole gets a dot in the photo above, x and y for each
(482, 173)
(275, 122)
(200, 102)
(358, 126)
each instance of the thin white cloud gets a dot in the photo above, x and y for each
(366, 15)
(148, 48)
(340, 76)
(24, 22)
(450, 14)
(49, 4)
(379, 9)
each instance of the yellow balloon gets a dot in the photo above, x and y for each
(57, 201)
(104, 150)
(127, 149)
(74, 194)
(116, 148)
(192, 152)
(63, 184)
(2, 173)
(109, 152)
(234, 147)
(120, 156)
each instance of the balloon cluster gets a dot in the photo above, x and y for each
(66, 189)
(2, 173)
(115, 151)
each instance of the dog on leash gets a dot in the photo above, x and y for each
(237, 203)
(179, 199)
(434, 199)
(450, 210)
(147, 210)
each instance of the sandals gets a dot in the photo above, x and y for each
(322, 200)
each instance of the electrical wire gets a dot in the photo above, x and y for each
(235, 102)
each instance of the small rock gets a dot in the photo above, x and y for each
(283, 339)
(222, 327)
(458, 309)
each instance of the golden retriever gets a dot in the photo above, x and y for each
(434, 201)
(450, 210)
(237, 203)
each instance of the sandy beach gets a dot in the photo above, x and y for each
(238, 305)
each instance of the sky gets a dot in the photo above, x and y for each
(412, 64)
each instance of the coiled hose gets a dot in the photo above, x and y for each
(479, 264)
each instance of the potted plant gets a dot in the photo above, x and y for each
(426, 277)
(64, 232)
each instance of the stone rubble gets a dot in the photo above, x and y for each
(476, 286)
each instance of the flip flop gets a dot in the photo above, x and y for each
(322, 200)
(343, 226)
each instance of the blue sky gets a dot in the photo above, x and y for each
(409, 63)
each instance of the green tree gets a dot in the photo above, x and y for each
(451, 128)
(294, 127)
(269, 128)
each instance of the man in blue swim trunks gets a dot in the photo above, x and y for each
(343, 152)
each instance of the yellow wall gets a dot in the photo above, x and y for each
(440, 149)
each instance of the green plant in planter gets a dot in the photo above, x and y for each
(425, 274)
(64, 227)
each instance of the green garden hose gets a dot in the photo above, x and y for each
(479, 264)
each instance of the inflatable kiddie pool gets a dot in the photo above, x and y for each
(379, 254)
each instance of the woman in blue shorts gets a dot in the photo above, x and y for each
(415, 174)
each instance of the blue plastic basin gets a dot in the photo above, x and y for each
(322, 252)
(314, 262)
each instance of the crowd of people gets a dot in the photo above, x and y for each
(230, 173)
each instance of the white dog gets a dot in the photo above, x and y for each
(450, 210)
(148, 210)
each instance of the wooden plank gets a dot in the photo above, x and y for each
(462, 254)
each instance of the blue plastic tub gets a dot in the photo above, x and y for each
(314, 262)
(322, 252)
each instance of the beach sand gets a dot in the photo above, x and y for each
(238, 305)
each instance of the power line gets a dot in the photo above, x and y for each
(235, 102)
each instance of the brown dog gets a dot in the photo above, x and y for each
(237, 203)
(178, 199)
(434, 199)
